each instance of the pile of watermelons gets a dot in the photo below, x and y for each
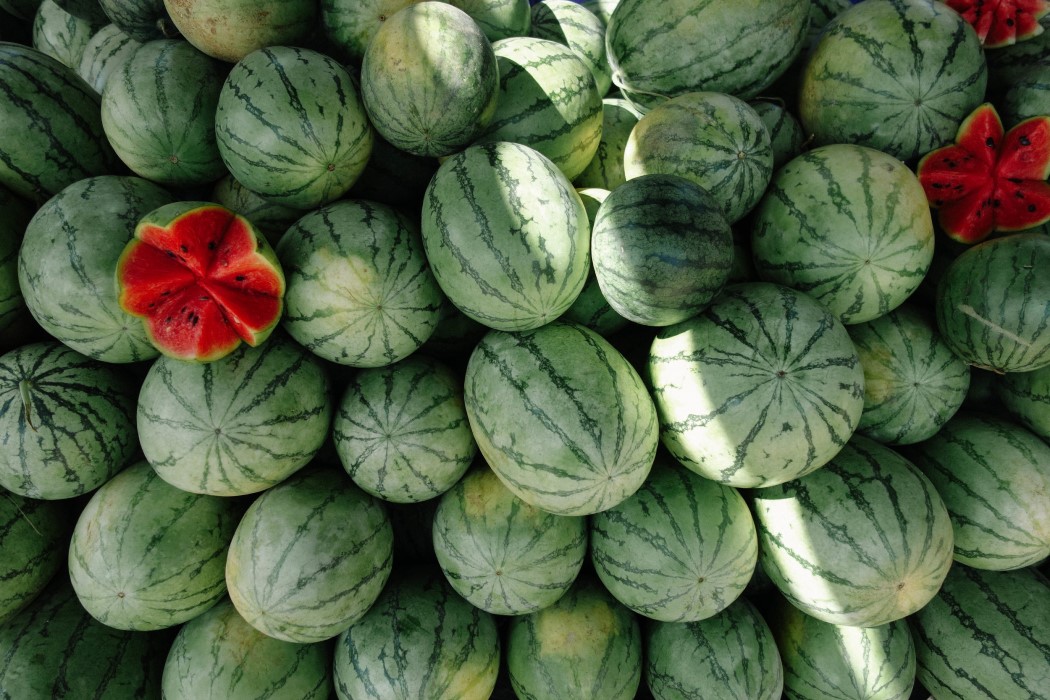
(467, 349)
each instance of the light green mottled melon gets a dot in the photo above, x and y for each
(350, 24)
(578, 28)
(60, 34)
(499, 19)
(1027, 396)
(105, 53)
(602, 9)
(606, 168)
(785, 133)
(231, 29)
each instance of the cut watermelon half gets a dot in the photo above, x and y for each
(989, 181)
(1002, 22)
(202, 279)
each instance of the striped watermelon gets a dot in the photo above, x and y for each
(66, 421)
(55, 649)
(158, 113)
(142, 20)
(994, 476)
(993, 304)
(548, 100)
(863, 541)
(147, 556)
(105, 53)
(1027, 97)
(848, 225)
(450, 80)
(762, 387)
(786, 137)
(506, 236)
(561, 417)
(738, 48)
(33, 537)
(729, 656)
(606, 167)
(586, 645)
(309, 557)
(290, 125)
(823, 661)
(602, 9)
(52, 129)
(349, 25)
(913, 382)
(67, 263)
(60, 34)
(985, 636)
(895, 75)
(401, 431)
(499, 19)
(269, 218)
(419, 640)
(219, 655)
(501, 554)
(232, 29)
(238, 425)
(716, 140)
(1027, 396)
(360, 290)
(575, 26)
(681, 549)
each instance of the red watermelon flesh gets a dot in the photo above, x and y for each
(990, 181)
(203, 280)
(1002, 22)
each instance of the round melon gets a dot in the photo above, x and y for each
(34, 535)
(105, 53)
(605, 170)
(1026, 395)
(60, 34)
(499, 19)
(142, 20)
(232, 29)
(349, 25)
(574, 25)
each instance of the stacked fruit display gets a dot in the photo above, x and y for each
(473, 348)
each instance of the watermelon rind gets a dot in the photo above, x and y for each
(1026, 395)
(60, 34)
(34, 535)
(605, 170)
(499, 19)
(105, 53)
(349, 25)
(574, 25)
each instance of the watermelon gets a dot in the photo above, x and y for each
(548, 100)
(158, 113)
(661, 248)
(605, 170)
(349, 25)
(727, 656)
(716, 140)
(737, 48)
(994, 477)
(760, 388)
(681, 549)
(66, 421)
(202, 279)
(232, 29)
(394, 177)
(1026, 395)
(105, 53)
(309, 557)
(499, 19)
(61, 35)
(602, 9)
(34, 536)
(786, 137)
(450, 81)
(913, 382)
(993, 304)
(147, 556)
(238, 425)
(55, 649)
(401, 431)
(586, 645)
(506, 235)
(561, 417)
(219, 655)
(14, 216)
(848, 225)
(863, 541)
(578, 28)
(52, 129)
(142, 20)
(501, 554)
(290, 124)
(419, 640)
(898, 76)
(271, 219)
(1026, 97)
(985, 636)
(360, 290)
(823, 661)
(1002, 22)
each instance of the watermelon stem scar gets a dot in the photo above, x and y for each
(27, 405)
(202, 279)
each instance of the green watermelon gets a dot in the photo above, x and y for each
(574, 25)
(61, 35)
(1026, 395)
(760, 388)
(501, 554)
(360, 289)
(142, 20)
(419, 640)
(729, 656)
(66, 421)
(34, 539)
(147, 556)
(847, 224)
(985, 636)
(271, 219)
(14, 216)
(561, 417)
(232, 29)
(863, 541)
(158, 113)
(290, 125)
(350, 24)
(238, 425)
(681, 549)
(786, 137)
(499, 19)
(898, 76)
(506, 235)
(994, 477)
(394, 177)
(401, 431)
(219, 655)
(605, 170)
(309, 557)
(105, 53)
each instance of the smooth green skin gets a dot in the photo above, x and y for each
(107, 50)
(725, 657)
(1027, 396)
(231, 29)
(142, 20)
(268, 217)
(578, 28)
(499, 19)
(14, 216)
(33, 537)
(219, 655)
(606, 168)
(158, 113)
(61, 35)
(350, 24)
(1026, 97)
(785, 133)
(68, 424)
